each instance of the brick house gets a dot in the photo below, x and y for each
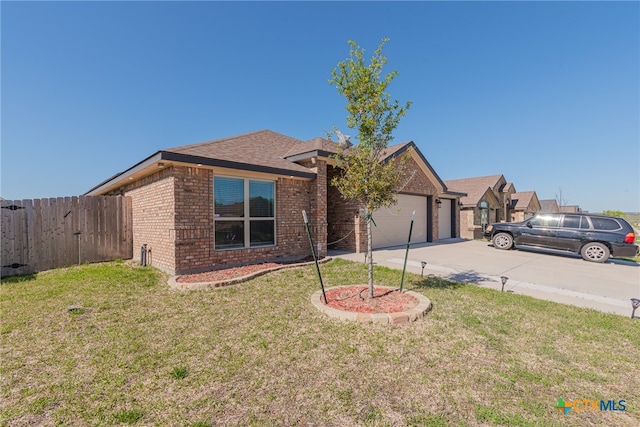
(570, 209)
(493, 198)
(549, 206)
(491, 194)
(239, 200)
(524, 205)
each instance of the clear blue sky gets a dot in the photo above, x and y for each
(545, 93)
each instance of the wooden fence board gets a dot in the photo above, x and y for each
(19, 221)
(58, 240)
(8, 232)
(38, 250)
(30, 235)
(47, 233)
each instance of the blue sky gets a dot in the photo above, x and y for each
(545, 93)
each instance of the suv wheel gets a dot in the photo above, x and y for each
(502, 241)
(595, 252)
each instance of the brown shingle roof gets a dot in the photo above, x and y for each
(263, 148)
(474, 187)
(570, 209)
(394, 149)
(522, 200)
(327, 147)
(319, 145)
(262, 151)
(549, 205)
(509, 187)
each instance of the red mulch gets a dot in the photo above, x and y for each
(235, 272)
(355, 299)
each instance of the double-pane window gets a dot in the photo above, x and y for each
(244, 212)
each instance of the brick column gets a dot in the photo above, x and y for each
(319, 208)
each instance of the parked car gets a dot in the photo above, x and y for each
(595, 237)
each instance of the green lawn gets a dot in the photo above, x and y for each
(110, 344)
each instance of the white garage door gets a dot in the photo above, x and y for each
(444, 219)
(393, 223)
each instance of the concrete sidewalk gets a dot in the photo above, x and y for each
(563, 278)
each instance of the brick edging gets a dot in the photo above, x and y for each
(174, 284)
(413, 314)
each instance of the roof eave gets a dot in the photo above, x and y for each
(310, 154)
(120, 179)
(207, 161)
(105, 186)
(454, 193)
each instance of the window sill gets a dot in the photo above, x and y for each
(245, 248)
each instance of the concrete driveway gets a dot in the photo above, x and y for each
(563, 278)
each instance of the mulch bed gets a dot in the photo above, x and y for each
(235, 272)
(348, 298)
(355, 299)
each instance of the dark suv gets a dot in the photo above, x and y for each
(595, 237)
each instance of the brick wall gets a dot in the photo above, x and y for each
(153, 217)
(344, 227)
(173, 215)
(317, 212)
(194, 218)
(292, 196)
(414, 181)
(344, 219)
(468, 228)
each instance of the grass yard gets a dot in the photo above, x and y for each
(111, 344)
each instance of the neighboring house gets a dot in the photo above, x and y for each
(239, 200)
(524, 205)
(570, 209)
(488, 196)
(549, 206)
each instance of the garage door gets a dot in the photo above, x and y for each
(393, 223)
(444, 219)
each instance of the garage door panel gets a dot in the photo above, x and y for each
(392, 224)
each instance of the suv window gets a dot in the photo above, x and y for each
(605, 223)
(575, 221)
(571, 221)
(545, 221)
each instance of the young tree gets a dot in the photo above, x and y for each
(365, 176)
(560, 200)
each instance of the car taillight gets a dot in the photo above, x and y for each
(630, 237)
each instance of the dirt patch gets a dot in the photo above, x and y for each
(355, 299)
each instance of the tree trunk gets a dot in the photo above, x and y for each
(370, 255)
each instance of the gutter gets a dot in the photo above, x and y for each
(160, 156)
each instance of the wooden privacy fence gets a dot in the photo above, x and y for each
(42, 234)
